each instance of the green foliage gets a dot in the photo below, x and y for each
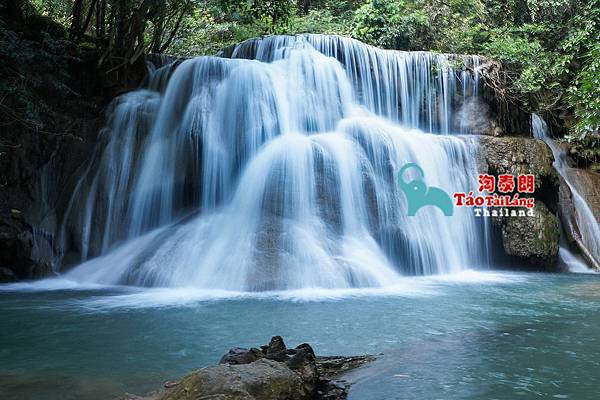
(206, 32)
(585, 96)
(548, 48)
(272, 13)
(523, 55)
(33, 70)
(325, 21)
(391, 24)
(57, 10)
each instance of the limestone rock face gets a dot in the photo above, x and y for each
(587, 184)
(517, 155)
(529, 241)
(532, 239)
(566, 211)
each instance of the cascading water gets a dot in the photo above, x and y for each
(586, 221)
(275, 169)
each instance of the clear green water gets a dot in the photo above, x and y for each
(472, 336)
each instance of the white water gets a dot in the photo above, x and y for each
(586, 221)
(275, 170)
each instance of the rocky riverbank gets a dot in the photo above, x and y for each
(271, 372)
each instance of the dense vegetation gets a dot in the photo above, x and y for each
(549, 49)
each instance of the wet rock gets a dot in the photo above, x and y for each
(520, 155)
(300, 358)
(566, 212)
(517, 155)
(16, 246)
(533, 240)
(333, 390)
(332, 366)
(249, 375)
(587, 184)
(7, 275)
(41, 269)
(261, 380)
(170, 384)
(239, 355)
(307, 347)
(528, 241)
(276, 345)
(303, 364)
(277, 350)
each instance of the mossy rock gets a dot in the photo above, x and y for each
(533, 239)
(517, 155)
(261, 380)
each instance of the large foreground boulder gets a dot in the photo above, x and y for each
(272, 373)
(263, 379)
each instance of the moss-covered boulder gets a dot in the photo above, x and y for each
(533, 239)
(272, 372)
(517, 155)
(528, 240)
(263, 379)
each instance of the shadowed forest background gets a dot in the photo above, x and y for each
(548, 49)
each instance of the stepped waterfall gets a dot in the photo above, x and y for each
(273, 166)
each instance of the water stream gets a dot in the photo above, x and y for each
(276, 169)
(587, 223)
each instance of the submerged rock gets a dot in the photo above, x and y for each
(273, 373)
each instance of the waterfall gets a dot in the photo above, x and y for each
(586, 221)
(273, 166)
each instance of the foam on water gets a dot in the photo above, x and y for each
(100, 298)
(51, 284)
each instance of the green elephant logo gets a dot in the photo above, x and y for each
(418, 194)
